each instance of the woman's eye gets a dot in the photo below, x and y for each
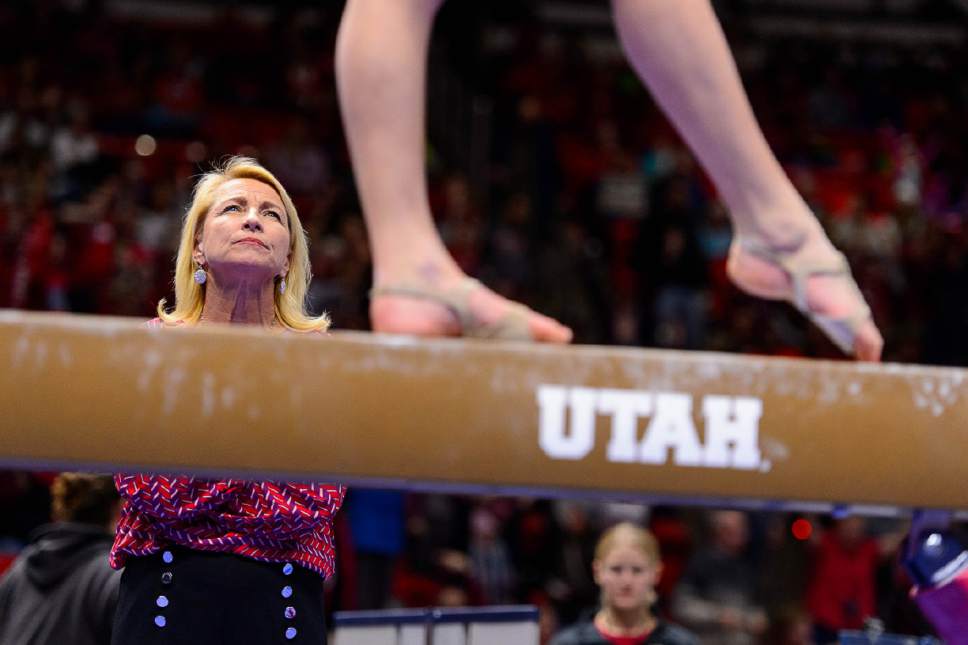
(230, 207)
(274, 214)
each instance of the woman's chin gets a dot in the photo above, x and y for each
(246, 269)
(627, 603)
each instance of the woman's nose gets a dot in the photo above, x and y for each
(251, 221)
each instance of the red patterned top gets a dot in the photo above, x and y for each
(268, 521)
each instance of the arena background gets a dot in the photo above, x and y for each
(554, 179)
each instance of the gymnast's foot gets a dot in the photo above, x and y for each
(813, 276)
(457, 306)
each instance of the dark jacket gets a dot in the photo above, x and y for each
(60, 588)
(587, 634)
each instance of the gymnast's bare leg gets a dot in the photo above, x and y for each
(381, 63)
(679, 50)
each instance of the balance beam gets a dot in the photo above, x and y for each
(108, 394)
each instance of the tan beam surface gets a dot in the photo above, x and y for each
(502, 417)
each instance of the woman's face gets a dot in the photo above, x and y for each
(245, 234)
(627, 578)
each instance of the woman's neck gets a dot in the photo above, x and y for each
(239, 302)
(618, 622)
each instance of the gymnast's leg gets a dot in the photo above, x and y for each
(679, 50)
(381, 63)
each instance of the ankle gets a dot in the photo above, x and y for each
(781, 220)
(438, 273)
(784, 232)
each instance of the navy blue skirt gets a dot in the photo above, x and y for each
(186, 597)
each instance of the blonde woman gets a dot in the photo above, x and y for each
(213, 561)
(626, 569)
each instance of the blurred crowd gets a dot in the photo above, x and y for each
(589, 209)
(731, 577)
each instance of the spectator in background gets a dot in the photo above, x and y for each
(675, 543)
(376, 524)
(717, 595)
(60, 589)
(74, 144)
(781, 564)
(573, 587)
(841, 594)
(626, 569)
(22, 127)
(791, 627)
(489, 558)
(156, 226)
(531, 532)
(670, 254)
(298, 161)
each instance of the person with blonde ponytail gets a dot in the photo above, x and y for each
(213, 561)
(626, 569)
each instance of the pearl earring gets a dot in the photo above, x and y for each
(200, 275)
(282, 285)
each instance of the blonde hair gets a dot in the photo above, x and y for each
(290, 308)
(628, 533)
